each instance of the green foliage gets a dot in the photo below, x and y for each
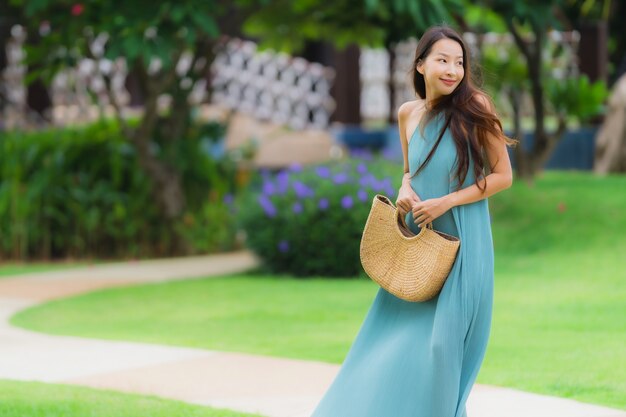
(211, 228)
(577, 96)
(504, 70)
(483, 19)
(80, 192)
(10, 269)
(309, 221)
(285, 25)
(592, 9)
(536, 13)
(137, 30)
(204, 178)
(67, 192)
(507, 70)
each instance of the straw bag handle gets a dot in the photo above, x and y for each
(402, 220)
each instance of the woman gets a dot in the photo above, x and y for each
(421, 359)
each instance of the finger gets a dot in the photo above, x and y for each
(421, 219)
(417, 210)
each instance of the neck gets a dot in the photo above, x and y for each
(430, 100)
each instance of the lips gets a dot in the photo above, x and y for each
(448, 82)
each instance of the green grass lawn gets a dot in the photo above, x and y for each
(32, 399)
(559, 310)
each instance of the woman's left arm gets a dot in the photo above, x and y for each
(500, 178)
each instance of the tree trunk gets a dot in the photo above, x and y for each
(166, 182)
(533, 161)
(522, 163)
(38, 101)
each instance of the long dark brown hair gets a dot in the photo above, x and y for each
(469, 120)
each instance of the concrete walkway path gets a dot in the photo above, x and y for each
(273, 387)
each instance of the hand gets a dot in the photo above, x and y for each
(407, 198)
(426, 211)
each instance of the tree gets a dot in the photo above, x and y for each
(38, 100)
(152, 39)
(170, 46)
(286, 24)
(528, 23)
(537, 15)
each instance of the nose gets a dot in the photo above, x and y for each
(451, 69)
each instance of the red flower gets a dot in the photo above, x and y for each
(77, 9)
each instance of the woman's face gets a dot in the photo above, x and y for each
(442, 68)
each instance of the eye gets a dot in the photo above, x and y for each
(441, 59)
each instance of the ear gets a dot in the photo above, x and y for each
(420, 67)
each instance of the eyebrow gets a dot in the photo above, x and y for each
(446, 55)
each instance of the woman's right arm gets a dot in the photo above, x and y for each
(406, 196)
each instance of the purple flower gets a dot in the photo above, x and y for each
(283, 246)
(322, 171)
(267, 205)
(366, 180)
(297, 207)
(283, 181)
(295, 167)
(346, 202)
(323, 203)
(361, 168)
(376, 185)
(364, 154)
(362, 195)
(390, 191)
(340, 178)
(228, 199)
(268, 187)
(302, 190)
(389, 154)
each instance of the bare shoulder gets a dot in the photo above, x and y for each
(410, 108)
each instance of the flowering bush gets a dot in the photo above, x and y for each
(308, 221)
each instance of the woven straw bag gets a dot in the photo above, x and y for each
(411, 267)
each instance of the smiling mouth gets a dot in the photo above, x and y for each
(448, 82)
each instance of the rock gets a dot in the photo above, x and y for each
(276, 147)
(610, 155)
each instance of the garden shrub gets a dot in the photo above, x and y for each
(212, 228)
(308, 221)
(80, 192)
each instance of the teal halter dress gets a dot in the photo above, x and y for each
(420, 359)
